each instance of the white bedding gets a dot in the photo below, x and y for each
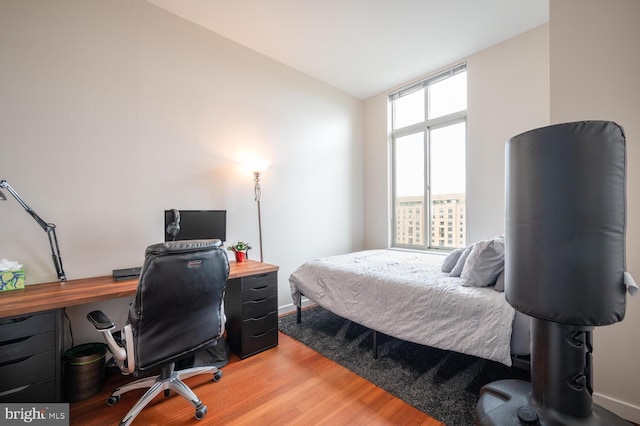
(405, 295)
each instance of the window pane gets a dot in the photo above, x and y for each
(409, 109)
(447, 183)
(448, 96)
(430, 214)
(409, 189)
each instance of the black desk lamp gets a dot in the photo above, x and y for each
(49, 228)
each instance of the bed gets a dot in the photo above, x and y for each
(406, 295)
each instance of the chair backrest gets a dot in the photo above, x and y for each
(178, 307)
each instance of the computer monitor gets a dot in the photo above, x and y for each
(196, 225)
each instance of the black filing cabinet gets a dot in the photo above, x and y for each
(30, 367)
(251, 307)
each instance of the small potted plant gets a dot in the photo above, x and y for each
(240, 250)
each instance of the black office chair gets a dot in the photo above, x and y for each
(178, 309)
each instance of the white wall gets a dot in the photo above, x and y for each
(595, 64)
(508, 93)
(113, 111)
(377, 215)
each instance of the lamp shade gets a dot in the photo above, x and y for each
(256, 165)
(565, 229)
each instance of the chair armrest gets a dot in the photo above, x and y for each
(104, 325)
(100, 321)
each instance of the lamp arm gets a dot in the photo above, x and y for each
(44, 225)
(55, 252)
(49, 228)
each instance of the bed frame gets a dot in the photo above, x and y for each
(522, 362)
(327, 289)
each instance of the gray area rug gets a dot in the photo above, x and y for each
(445, 385)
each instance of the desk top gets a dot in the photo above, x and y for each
(55, 295)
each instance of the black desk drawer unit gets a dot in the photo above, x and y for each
(251, 307)
(30, 368)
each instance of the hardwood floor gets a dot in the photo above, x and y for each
(290, 384)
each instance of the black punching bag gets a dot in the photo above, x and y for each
(564, 266)
(565, 254)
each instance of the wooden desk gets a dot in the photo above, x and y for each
(31, 326)
(56, 295)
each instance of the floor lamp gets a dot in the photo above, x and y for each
(258, 193)
(257, 166)
(49, 228)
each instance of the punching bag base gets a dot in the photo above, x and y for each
(510, 403)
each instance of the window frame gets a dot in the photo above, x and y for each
(425, 127)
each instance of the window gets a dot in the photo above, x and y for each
(428, 140)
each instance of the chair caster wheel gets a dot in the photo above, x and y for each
(112, 400)
(217, 376)
(201, 412)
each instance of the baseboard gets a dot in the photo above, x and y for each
(623, 409)
(287, 309)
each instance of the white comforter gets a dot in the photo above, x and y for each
(404, 294)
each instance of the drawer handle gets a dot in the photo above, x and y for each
(261, 334)
(260, 276)
(260, 318)
(16, 390)
(259, 300)
(259, 288)
(15, 361)
(14, 320)
(14, 341)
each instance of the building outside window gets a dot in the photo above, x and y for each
(428, 140)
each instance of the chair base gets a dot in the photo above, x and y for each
(167, 380)
(510, 402)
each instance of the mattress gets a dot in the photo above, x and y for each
(405, 295)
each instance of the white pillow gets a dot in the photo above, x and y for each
(457, 270)
(484, 263)
(451, 260)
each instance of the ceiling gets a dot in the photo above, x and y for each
(364, 47)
